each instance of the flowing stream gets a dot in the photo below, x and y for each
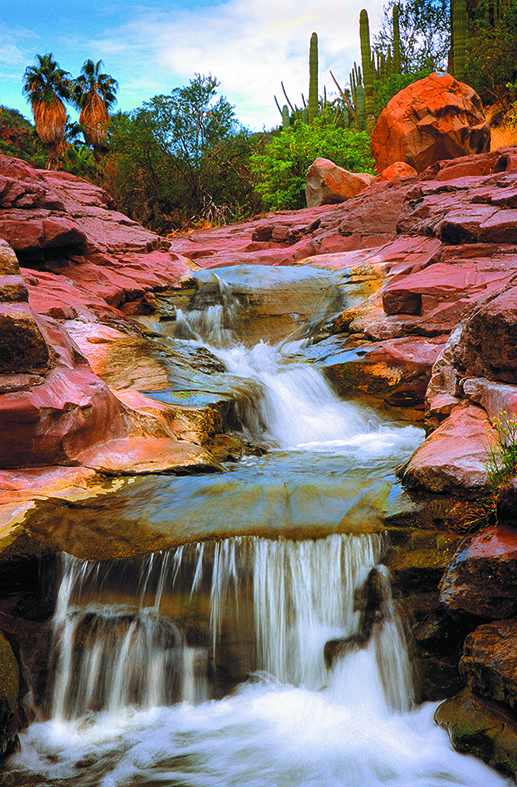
(272, 657)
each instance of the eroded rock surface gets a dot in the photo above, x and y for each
(433, 119)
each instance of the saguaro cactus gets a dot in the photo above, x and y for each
(313, 78)
(368, 70)
(396, 40)
(459, 37)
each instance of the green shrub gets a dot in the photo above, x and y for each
(280, 170)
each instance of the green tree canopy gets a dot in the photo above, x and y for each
(424, 34)
(182, 157)
(281, 168)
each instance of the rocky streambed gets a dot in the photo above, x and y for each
(131, 424)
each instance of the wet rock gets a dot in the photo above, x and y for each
(482, 728)
(481, 580)
(432, 119)
(10, 717)
(134, 456)
(487, 346)
(396, 370)
(507, 504)
(489, 662)
(368, 601)
(452, 459)
(326, 183)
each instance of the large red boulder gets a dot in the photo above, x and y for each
(432, 119)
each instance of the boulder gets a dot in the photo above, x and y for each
(489, 662)
(432, 119)
(481, 580)
(10, 717)
(452, 459)
(326, 183)
(507, 504)
(399, 169)
(481, 728)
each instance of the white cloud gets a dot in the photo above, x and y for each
(249, 46)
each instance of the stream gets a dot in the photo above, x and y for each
(265, 649)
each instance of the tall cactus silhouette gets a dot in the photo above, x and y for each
(368, 70)
(459, 37)
(313, 78)
(396, 40)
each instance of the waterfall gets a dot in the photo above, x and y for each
(283, 402)
(293, 596)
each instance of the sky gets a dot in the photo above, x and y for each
(250, 46)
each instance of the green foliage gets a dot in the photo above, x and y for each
(45, 81)
(78, 160)
(18, 138)
(92, 79)
(491, 61)
(424, 34)
(501, 462)
(501, 467)
(181, 158)
(280, 169)
(383, 92)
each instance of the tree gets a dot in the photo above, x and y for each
(280, 170)
(181, 158)
(94, 93)
(424, 34)
(45, 85)
(491, 57)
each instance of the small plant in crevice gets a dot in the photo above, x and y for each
(501, 467)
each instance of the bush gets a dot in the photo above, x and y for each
(280, 170)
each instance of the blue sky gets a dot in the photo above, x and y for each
(153, 47)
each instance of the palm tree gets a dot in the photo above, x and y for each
(45, 85)
(94, 94)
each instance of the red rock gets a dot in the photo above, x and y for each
(22, 345)
(51, 423)
(432, 119)
(147, 455)
(452, 459)
(399, 169)
(326, 183)
(507, 504)
(489, 662)
(482, 577)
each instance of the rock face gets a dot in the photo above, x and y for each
(327, 183)
(433, 119)
(481, 581)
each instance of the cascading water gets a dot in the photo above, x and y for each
(248, 661)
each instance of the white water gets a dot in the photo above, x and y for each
(294, 724)
(292, 406)
(130, 698)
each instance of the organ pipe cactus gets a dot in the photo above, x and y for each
(313, 77)
(368, 70)
(286, 121)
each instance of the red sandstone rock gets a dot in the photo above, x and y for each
(489, 662)
(432, 119)
(147, 455)
(326, 183)
(482, 577)
(399, 169)
(452, 459)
